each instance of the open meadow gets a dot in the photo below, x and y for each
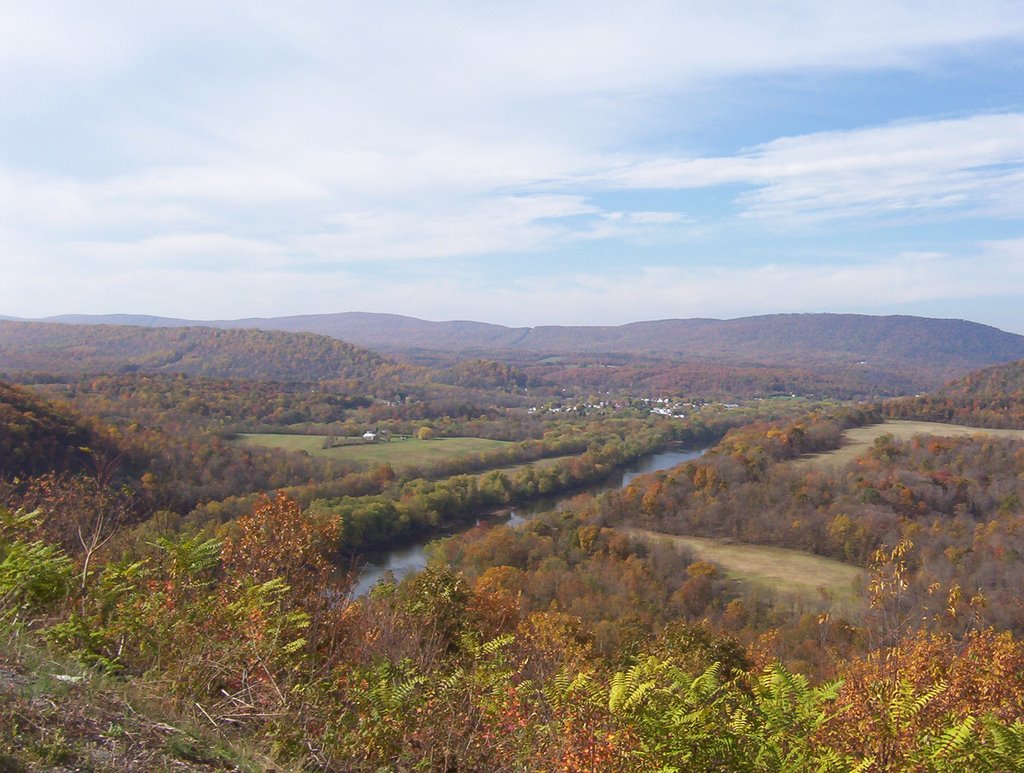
(777, 570)
(858, 440)
(404, 452)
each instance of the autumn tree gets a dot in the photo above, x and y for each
(277, 540)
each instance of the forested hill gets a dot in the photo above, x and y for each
(200, 351)
(999, 382)
(36, 436)
(949, 346)
(773, 339)
(990, 397)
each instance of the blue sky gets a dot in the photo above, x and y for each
(526, 163)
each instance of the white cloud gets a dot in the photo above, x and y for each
(973, 164)
(509, 224)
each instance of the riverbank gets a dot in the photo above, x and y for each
(410, 558)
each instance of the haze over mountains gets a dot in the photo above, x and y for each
(779, 338)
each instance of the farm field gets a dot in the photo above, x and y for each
(545, 462)
(400, 453)
(860, 439)
(775, 569)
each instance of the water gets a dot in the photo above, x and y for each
(410, 559)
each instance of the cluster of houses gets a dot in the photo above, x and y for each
(661, 406)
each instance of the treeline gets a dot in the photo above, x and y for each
(417, 505)
(992, 397)
(485, 374)
(181, 404)
(654, 377)
(165, 436)
(178, 401)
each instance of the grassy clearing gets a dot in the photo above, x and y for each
(400, 453)
(774, 569)
(858, 440)
(550, 461)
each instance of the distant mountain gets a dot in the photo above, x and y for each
(901, 353)
(138, 320)
(201, 351)
(379, 331)
(946, 348)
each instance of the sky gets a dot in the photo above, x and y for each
(519, 163)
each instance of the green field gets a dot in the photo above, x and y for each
(775, 569)
(549, 461)
(858, 440)
(410, 452)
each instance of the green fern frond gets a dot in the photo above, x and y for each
(953, 739)
(905, 705)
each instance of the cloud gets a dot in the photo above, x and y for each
(972, 165)
(252, 149)
(507, 224)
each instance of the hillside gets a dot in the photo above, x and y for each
(990, 397)
(252, 354)
(36, 436)
(999, 383)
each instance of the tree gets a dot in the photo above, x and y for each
(425, 433)
(278, 541)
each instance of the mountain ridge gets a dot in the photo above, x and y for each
(756, 338)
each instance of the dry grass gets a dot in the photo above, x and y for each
(56, 716)
(858, 440)
(775, 569)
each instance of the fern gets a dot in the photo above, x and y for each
(629, 688)
(953, 739)
(1007, 741)
(905, 704)
(189, 557)
(32, 575)
(570, 687)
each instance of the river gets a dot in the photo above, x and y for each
(407, 560)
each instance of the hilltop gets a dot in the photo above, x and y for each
(197, 351)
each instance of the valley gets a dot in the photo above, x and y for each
(237, 519)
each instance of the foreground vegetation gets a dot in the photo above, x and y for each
(439, 674)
